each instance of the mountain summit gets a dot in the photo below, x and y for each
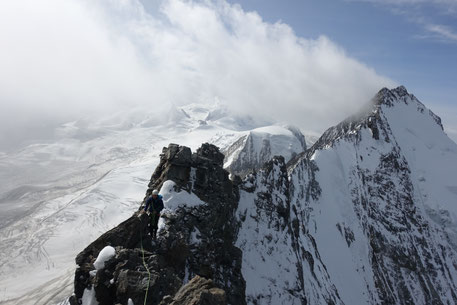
(367, 215)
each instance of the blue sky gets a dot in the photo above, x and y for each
(412, 42)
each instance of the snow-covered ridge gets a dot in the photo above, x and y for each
(371, 117)
(255, 147)
(384, 221)
(392, 97)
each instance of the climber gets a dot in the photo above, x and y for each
(154, 205)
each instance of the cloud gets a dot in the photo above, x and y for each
(424, 13)
(66, 59)
(442, 31)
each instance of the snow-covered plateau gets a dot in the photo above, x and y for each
(365, 215)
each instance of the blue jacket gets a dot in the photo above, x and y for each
(154, 204)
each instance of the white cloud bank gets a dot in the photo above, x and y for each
(64, 59)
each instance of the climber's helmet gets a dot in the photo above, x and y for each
(155, 193)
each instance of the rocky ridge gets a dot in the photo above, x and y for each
(196, 240)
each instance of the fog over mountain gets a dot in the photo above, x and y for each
(73, 59)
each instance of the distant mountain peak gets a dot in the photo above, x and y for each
(375, 116)
(391, 98)
(388, 97)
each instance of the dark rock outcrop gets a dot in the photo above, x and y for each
(199, 291)
(196, 241)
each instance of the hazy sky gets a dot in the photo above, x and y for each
(309, 63)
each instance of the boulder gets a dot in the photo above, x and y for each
(199, 291)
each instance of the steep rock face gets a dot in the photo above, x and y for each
(196, 237)
(385, 216)
(281, 263)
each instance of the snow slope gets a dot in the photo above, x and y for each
(255, 147)
(378, 225)
(279, 264)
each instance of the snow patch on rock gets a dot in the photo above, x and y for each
(173, 199)
(89, 297)
(104, 255)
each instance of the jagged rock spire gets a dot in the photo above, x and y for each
(196, 240)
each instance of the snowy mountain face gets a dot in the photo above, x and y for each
(256, 147)
(367, 215)
(372, 201)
